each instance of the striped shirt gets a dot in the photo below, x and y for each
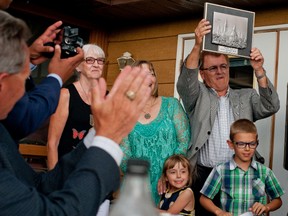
(216, 149)
(240, 189)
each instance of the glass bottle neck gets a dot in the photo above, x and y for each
(138, 186)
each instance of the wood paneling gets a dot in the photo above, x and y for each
(148, 49)
(153, 31)
(166, 90)
(164, 70)
(272, 17)
(113, 71)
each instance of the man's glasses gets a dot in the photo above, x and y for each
(214, 68)
(91, 60)
(243, 145)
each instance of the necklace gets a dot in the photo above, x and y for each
(147, 114)
(85, 93)
(91, 120)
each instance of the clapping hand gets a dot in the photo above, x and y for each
(116, 114)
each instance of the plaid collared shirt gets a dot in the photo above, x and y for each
(240, 189)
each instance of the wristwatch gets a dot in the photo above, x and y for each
(261, 76)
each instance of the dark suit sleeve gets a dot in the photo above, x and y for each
(31, 111)
(79, 191)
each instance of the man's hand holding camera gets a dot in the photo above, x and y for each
(63, 67)
(37, 48)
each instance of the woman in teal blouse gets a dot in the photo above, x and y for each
(161, 131)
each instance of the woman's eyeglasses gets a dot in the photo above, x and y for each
(91, 60)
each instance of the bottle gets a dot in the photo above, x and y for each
(135, 197)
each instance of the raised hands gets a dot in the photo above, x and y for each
(256, 59)
(202, 29)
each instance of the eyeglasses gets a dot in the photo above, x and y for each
(91, 60)
(243, 145)
(214, 68)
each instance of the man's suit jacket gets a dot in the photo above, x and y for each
(77, 186)
(201, 105)
(31, 111)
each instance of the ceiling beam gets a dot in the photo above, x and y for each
(51, 14)
(117, 2)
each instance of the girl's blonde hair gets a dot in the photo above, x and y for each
(172, 161)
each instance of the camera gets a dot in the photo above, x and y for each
(69, 40)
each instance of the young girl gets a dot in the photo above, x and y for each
(178, 198)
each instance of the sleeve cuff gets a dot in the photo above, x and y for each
(32, 67)
(104, 143)
(56, 76)
(88, 139)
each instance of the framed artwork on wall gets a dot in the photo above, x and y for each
(232, 30)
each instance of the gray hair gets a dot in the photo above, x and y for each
(94, 49)
(13, 35)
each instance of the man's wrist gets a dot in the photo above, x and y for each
(261, 76)
(56, 76)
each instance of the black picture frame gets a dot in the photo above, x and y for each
(232, 30)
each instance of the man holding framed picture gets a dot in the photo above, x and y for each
(212, 105)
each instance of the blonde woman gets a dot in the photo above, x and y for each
(161, 131)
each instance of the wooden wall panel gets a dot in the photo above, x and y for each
(149, 49)
(166, 90)
(153, 31)
(271, 17)
(113, 71)
(163, 89)
(164, 70)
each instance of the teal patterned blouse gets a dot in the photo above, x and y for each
(167, 134)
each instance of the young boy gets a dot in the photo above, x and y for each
(243, 183)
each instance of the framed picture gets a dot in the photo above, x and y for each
(232, 30)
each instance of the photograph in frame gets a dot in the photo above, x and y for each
(232, 30)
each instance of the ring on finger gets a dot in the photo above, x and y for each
(131, 95)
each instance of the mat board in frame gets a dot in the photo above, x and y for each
(232, 30)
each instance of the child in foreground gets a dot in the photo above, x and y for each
(243, 183)
(179, 197)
